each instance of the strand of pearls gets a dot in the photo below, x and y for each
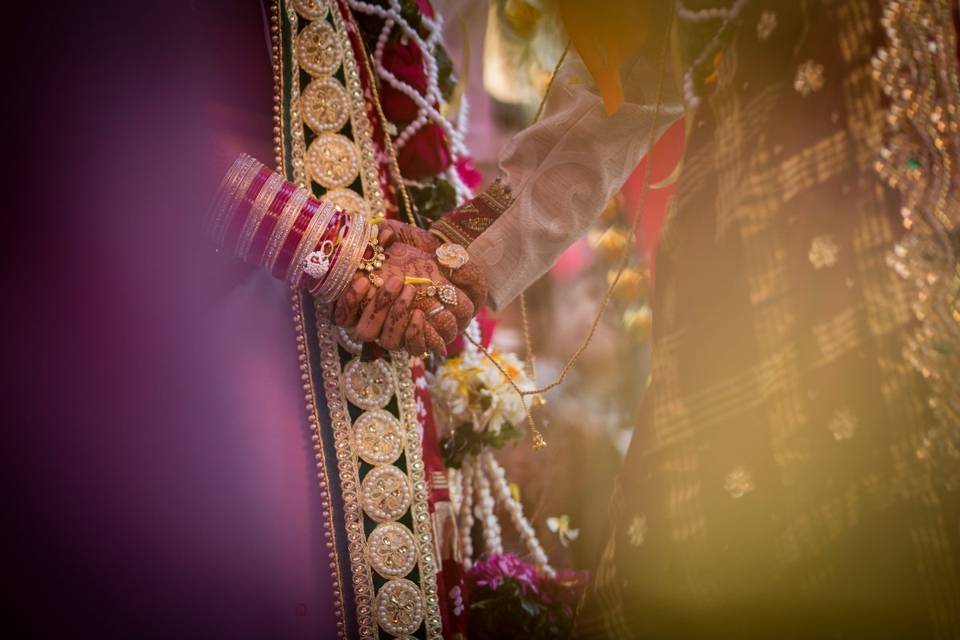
(490, 526)
(466, 513)
(428, 104)
(515, 509)
(455, 485)
(471, 354)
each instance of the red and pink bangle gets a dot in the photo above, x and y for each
(268, 221)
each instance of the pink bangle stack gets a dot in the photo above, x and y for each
(268, 221)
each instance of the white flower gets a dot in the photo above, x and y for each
(560, 525)
(476, 392)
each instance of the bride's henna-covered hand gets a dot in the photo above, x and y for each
(468, 277)
(394, 327)
(389, 312)
(375, 313)
(395, 231)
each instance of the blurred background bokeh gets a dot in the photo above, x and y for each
(507, 51)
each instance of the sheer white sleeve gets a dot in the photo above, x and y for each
(562, 170)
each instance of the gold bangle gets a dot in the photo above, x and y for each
(348, 262)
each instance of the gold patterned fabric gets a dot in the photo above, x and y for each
(363, 413)
(774, 487)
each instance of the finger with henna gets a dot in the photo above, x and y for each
(391, 338)
(375, 313)
(348, 306)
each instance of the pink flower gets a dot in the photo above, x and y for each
(470, 175)
(491, 571)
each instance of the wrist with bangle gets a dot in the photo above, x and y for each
(268, 221)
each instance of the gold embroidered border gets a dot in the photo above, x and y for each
(297, 147)
(419, 510)
(313, 417)
(348, 465)
(348, 468)
(362, 131)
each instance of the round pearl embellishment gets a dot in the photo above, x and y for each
(385, 493)
(333, 161)
(348, 342)
(317, 49)
(379, 437)
(325, 105)
(368, 384)
(393, 551)
(347, 199)
(399, 607)
(311, 9)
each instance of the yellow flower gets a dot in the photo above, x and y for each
(610, 244)
(632, 286)
(638, 322)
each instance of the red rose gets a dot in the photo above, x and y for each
(468, 173)
(425, 154)
(406, 63)
(397, 106)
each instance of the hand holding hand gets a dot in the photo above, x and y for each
(468, 277)
(402, 314)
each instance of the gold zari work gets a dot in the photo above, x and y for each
(367, 384)
(311, 9)
(379, 437)
(348, 200)
(399, 607)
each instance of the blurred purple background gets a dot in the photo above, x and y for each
(153, 490)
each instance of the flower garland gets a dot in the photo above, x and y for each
(416, 86)
(477, 404)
